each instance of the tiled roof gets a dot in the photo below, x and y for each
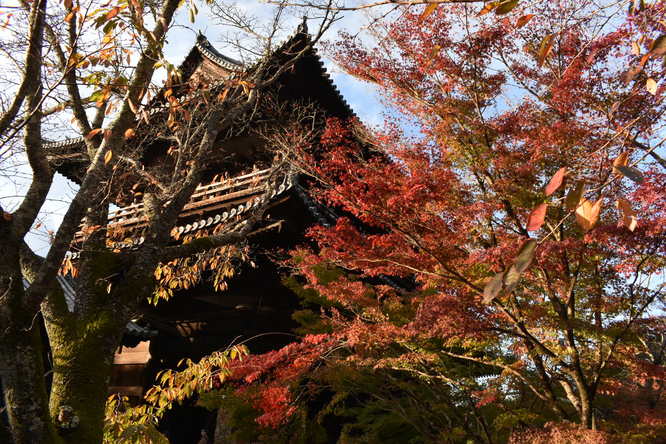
(206, 49)
(209, 51)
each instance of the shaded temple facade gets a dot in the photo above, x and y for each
(257, 303)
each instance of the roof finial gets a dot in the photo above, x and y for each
(303, 27)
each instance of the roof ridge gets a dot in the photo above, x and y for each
(207, 49)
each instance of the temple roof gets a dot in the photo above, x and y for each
(308, 81)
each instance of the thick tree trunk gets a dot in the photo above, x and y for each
(82, 362)
(21, 360)
(24, 388)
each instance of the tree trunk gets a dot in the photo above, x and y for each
(82, 361)
(22, 374)
(21, 361)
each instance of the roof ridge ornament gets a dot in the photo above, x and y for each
(303, 26)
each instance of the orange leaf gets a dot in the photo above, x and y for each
(487, 8)
(7, 216)
(622, 159)
(522, 21)
(67, 4)
(108, 156)
(537, 217)
(545, 49)
(556, 181)
(129, 133)
(429, 10)
(628, 215)
(93, 133)
(112, 13)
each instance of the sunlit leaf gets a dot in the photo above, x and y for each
(545, 48)
(651, 86)
(629, 219)
(505, 7)
(432, 7)
(555, 181)
(112, 13)
(522, 21)
(129, 133)
(587, 214)
(620, 160)
(107, 157)
(93, 133)
(537, 217)
(488, 7)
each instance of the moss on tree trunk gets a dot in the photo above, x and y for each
(82, 361)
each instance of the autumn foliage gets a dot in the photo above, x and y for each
(499, 248)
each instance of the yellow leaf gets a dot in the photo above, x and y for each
(587, 214)
(108, 156)
(651, 86)
(429, 10)
(635, 49)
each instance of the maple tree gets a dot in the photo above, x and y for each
(509, 217)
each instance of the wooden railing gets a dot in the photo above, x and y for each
(204, 196)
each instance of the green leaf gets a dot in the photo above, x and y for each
(574, 195)
(506, 7)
